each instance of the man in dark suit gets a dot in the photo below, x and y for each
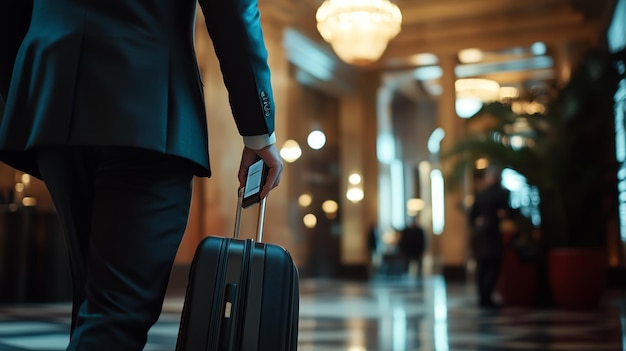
(412, 245)
(491, 206)
(105, 103)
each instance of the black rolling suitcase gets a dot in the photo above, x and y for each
(242, 295)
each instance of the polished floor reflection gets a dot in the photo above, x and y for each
(385, 315)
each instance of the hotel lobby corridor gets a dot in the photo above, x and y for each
(382, 314)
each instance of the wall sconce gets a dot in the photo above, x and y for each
(355, 190)
(305, 200)
(290, 151)
(355, 194)
(310, 221)
(330, 208)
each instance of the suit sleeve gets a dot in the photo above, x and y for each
(235, 29)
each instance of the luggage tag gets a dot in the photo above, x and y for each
(255, 179)
(250, 194)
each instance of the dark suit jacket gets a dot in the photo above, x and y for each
(485, 218)
(124, 73)
(411, 241)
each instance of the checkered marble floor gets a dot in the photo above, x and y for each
(384, 315)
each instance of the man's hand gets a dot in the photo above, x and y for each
(272, 159)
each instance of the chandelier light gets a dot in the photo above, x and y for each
(472, 93)
(485, 90)
(358, 30)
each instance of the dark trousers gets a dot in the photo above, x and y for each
(487, 274)
(124, 212)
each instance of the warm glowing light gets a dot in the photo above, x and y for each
(413, 206)
(354, 179)
(305, 200)
(290, 151)
(425, 59)
(528, 108)
(483, 89)
(29, 201)
(471, 55)
(358, 30)
(309, 220)
(471, 93)
(508, 93)
(26, 179)
(481, 163)
(316, 140)
(19, 187)
(355, 194)
(330, 206)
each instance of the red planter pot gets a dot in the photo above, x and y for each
(578, 277)
(518, 283)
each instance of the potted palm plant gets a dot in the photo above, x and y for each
(567, 153)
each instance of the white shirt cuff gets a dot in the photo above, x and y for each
(257, 142)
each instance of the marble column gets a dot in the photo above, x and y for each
(357, 125)
(451, 243)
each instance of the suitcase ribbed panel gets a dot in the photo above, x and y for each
(265, 317)
(242, 295)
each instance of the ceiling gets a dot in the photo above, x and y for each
(504, 30)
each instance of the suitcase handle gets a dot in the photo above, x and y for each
(260, 219)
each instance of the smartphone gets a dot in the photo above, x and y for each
(257, 172)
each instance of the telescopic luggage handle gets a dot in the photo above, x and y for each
(260, 219)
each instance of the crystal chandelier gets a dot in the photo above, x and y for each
(358, 30)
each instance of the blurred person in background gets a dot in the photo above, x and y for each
(491, 206)
(412, 245)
